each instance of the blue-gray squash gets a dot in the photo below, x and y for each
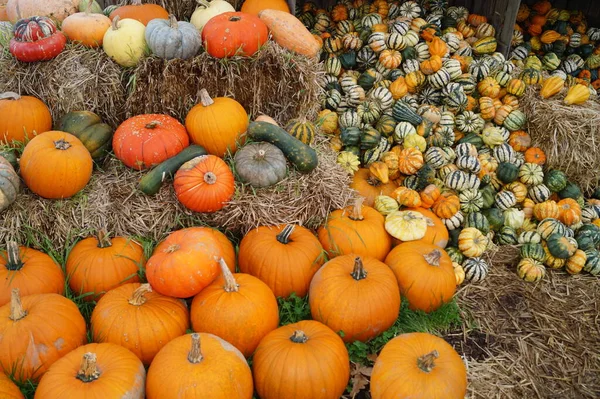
(170, 39)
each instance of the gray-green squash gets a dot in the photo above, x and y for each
(170, 39)
(260, 164)
(9, 184)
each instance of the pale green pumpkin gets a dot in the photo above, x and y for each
(125, 41)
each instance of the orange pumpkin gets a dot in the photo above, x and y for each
(204, 184)
(289, 32)
(140, 12)
(446, 206)
(22, 117)
(304, 360)
(520, 140)
(476, 20)
(138, 319)
(8, 389)
(239, 308)
(410, 161)
(356, 230)
(542, 7)
(431, 65)
(217, 124)
(399, 89)
(285, 257)
(424, 273)
(489, 87)
(406, 197)
(535, 155)
(56, 165)
(546, 209)
(29, 270)
(418, 365)
(429, 195)
(95, 371)
(437, 47)
(366, 286)
(199, 365)
(370, 187)
(569, 211)
(534, 30)
(255, 6)
(24, 328)
(86, 28)
(339, 12)
(98, 264)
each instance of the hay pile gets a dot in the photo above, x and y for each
(78, 79)
(274, 82)
(531, 340)
(569, 134)
(112, 201)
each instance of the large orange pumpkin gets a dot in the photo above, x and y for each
(424, 273)
(304, 360)
(138, 319)
(98, 264)
(95, 371)
(55, 9)
(358, 296)
(199, 365)
(147, 140)
(56, 165)
(239, 308)
(255, 6)
(8, 389)
(357, 230)
(289, 32)
(188, 260)
(86, 28)
(140, 12)
(22, 117)
(285, 257)
(204, 184)
(29, 270)
(37, 330)
(418, 366)
(234, 34)
(217, 124)
(370, 187)
(436, 233)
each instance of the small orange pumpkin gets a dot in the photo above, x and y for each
(535, 155)
(437, 47)
(519, 140)
(143, 13)
(446, 205)
(429, 195)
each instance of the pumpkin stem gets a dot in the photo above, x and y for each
(16, 307)
(210, 178)
(230, 284)
(195, 355)
(172, 248)
(115, 22)
(62, 145)
(138, 297)
(89, 5)
(205, 99)
(260, 155)
(234, 19)
(203, 3)
(426, 362)
(13, 256)
(10, 95)
(173, 21)
(357, 209)
(152, 125)
(88, 371)
(433, 258)
(284, 236)
(299, 337)
(359, 272)
(136, 2)
(103, 239)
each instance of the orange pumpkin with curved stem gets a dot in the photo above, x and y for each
(29, 270)
(56, 165)
(204, 184)
(239, 308)
(138, 319)
(85, 27)
(418, 366)
(370, 187)
(362, 284)
(304, 360)
(424, 273)
(95, 371)
(35, 322)
(356, 230)
(147, 140)
(98, 264)
(285, 257)
(191, 255)
(140, 12)
(8, 389)
(22, 117)
(199, 365)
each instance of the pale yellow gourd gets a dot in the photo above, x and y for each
(472, 243)
(577, 94)
(208, 9)
(406, 225)
(125, 41)
(415, 141)
(386, 205)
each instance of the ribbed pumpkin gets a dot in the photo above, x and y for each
(98, 264)
(289, 32)
(29, 270)
(138, 319)
(199, 365)
(304, 360)
(143, 13)
(8, 389)
(48, 321)
(285, 257)
(217, 124)
(357, 230)
(255, 6)
(239, 308)
(424, 273)
(95, 371)
(370, 187)
(22, 117)
(365, 287)
(191, 255)
(234, 34)
(418, 366)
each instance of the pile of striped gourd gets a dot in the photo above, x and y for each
(425, 114)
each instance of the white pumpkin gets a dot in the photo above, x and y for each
(206, 10)
(125, 41)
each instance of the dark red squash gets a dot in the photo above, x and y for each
(36, 39)
(234, 33)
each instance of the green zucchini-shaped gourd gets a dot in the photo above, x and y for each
(297, 153)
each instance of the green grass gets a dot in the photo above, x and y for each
(28, 389)
(293, 310)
